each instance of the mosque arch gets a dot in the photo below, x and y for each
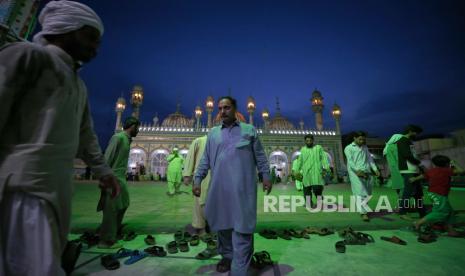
(279, 160)
(158, 163)
(295, 155)
(137, 157)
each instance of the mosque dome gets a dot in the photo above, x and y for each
(239, 116)
(280, 123)
(177, 120)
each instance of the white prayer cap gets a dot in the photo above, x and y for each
(61, 17)
(175, 149)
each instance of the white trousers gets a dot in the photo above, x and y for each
(29, 239)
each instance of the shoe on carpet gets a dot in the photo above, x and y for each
(109, 263)
(224, 265)
(149, 240)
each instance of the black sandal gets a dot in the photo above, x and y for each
(183, 246)
(172, 247)
(206, 254)
(261, 260)
(340, 247)
(149, 240)
(195, 240)
(156, 251)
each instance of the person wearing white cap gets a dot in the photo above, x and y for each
(45, 123)
(173, 173)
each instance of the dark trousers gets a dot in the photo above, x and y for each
(411, 189)
(316, 189)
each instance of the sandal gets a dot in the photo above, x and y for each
(224, 265)
(268, 234)
(135, 257)
(311, 230)
(426, 238)
(353, 239)
(194, 240)
(340, 247)
(206, 254)
(156, 251)
(109, 263)
(172, 247)
(261, 259)
(285, 234)
(122, 253)
(365, 237)
(212, 245)
(187, 236)
(178, 236)
(295, 234)
(395, 240)
(149, 240)
(183, 246)
(89, 238)
(130, 236)
(325, 232)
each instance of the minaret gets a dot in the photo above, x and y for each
(250, 108)
(119, 108)
(337, 117)
(137, 98)
(198, 114)
(301, 124)
(155, 120)
(265, 116)
(209, 104)
(317, 107)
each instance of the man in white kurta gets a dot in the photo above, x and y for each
(313, 163)
(45, 123)
(360, 166)
(193, 157)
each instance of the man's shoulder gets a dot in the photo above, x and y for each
(24, 48)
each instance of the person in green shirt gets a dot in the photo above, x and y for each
(174, 172)
(117, 156)
(313, 163)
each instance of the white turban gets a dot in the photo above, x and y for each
(61, 17)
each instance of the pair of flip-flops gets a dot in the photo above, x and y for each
(174, 247)
(111, 262)
(261, 260)
(156, 251)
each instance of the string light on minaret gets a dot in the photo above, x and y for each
(336, 112)
(137, 98)
(317, 107)
(250, 108)
(209, 105)
(119, 109)
(198, 115)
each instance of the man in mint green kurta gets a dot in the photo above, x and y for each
(117, 156)
(174, 172)
(313, 163)
(390, 151)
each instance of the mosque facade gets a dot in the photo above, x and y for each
(281, 140)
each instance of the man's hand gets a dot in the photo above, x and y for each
(187, 180)
(110, 182)
(377, 173)
(361, 174)
(267, 186)
(196, 190)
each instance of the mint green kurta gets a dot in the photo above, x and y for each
(390, 151)
(117, 156)
(311, 161)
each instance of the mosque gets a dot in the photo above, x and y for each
(280, 138)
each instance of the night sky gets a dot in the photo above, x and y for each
(386, 63)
